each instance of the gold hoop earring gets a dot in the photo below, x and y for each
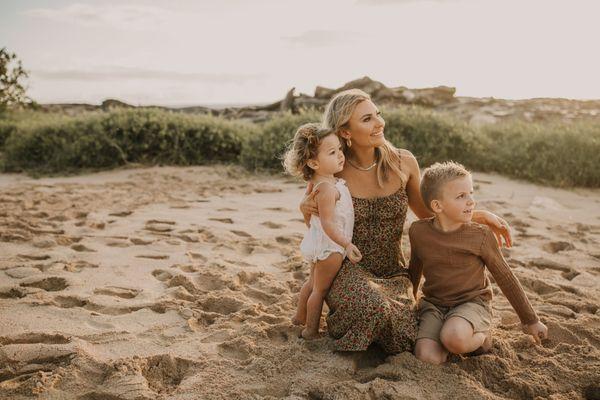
(348, 142)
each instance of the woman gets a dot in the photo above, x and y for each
(370, 302)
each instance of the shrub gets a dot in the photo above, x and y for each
(263, 150)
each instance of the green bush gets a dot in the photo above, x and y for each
(554, 153)
(264, 149)
(116, 138)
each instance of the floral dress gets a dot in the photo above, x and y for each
(371, 302)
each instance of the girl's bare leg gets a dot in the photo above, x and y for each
(300, 317)
(324, 273)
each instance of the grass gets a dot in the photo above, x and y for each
(553, 153)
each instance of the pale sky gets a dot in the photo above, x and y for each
(184, 52)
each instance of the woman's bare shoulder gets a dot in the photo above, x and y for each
(408, 160)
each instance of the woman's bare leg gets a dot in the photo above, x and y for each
(324, 274)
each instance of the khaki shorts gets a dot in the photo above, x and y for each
(431, 317)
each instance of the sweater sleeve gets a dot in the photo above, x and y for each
(506, 280)
(415, 267)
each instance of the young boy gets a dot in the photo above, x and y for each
(452, 253)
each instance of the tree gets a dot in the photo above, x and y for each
(12, 91)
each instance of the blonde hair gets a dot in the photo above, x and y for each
(436, 176)
(337, 117)
(304, 146)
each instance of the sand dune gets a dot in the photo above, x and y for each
(180, 283)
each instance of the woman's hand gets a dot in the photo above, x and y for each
(498, 225)
(308, 205)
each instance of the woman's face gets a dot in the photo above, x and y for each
(365, 127)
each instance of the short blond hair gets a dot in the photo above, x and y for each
(304, 147)
(436, 176)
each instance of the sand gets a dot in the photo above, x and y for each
(180, 283)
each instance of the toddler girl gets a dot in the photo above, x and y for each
(316, 155)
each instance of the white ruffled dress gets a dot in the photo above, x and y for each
(316, 245)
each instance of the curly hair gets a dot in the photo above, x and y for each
(304, 146)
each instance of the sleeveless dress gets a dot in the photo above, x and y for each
(371, 302)
(316, 245)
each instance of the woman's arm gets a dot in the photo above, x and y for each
(308, 204)
(413, 185)
(498, 225)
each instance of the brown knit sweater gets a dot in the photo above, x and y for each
(453, 264)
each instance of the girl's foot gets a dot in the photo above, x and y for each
(308, 335)
(297, 321)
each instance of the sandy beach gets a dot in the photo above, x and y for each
(179, 283)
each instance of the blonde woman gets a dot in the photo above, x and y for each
(371, 301)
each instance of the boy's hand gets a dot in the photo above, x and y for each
(353, 253)
(538, 330)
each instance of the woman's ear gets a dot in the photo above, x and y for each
(344, 134)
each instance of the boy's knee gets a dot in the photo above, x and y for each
(454, 341)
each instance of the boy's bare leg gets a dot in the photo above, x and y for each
(458, 337)
(300, 317)
(428, 350)
(324, 274)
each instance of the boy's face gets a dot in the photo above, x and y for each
(457, 201)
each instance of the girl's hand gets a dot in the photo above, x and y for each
(538, 330)
(498, 225)
(353, 253)
(308, 205)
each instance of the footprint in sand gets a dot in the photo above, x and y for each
(241, 233)
(123, 213)
(162, 275)
(140, 242)
(116, 291)
(272, 225)
(161, 221)
(49, 284)
(44, 243)
(68, 240)
(209, 282)
(12, 292)
(117, 244)
(153, 256)
(222, 220)
(223, 305)
(81, 247)
(276, 209)
(22, 272)
(34, 257)
(78, 266)
(188, 238)
(196, 256)
(226, 209)
(555, 247)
